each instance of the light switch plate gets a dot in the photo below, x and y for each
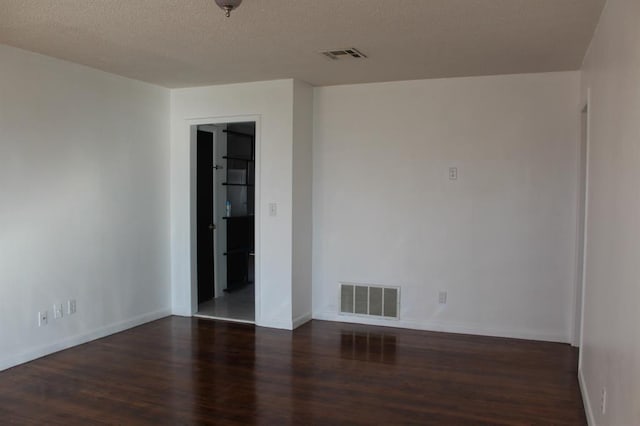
(57, 311)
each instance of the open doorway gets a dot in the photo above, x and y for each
(225, 216)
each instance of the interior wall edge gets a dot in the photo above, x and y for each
(585, 397)
(302, 320)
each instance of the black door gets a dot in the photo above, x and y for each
(205, 232)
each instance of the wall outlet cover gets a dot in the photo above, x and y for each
(71, 306)
(453, 173)
(58, 311)
(43, 318)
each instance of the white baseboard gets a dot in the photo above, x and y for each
(302, 319)
(445, 327)
(281, 325)
(585, 399)
(30, 355)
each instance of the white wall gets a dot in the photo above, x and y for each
(84, 199)
(302, 201)
(271, 104)
(500, 239)
(610, 355)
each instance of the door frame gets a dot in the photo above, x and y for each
(192, 128)
(582, 215)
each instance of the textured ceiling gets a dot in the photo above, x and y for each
(182, 43)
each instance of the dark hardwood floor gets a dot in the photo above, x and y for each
(192, 371)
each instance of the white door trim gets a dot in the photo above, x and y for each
(190, 130)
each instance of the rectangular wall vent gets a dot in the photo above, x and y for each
(350, 52)
(369, 300)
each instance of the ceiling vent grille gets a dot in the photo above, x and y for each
(369, 300)
(351, 52)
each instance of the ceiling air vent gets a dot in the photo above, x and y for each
(351, 52)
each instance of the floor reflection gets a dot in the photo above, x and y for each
(225, 375)
(368, 346)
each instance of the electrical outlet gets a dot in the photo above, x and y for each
(453, 173)
(603, 401)
(442, 297)
(58, 311)
(43, 318)
(71, 306)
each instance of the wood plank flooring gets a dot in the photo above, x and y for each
(179, 371)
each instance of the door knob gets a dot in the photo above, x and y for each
(211, 227)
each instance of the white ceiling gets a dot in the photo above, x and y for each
(182, 43)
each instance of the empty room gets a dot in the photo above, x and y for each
(304, 212)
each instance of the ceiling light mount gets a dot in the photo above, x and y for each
(228, 5)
